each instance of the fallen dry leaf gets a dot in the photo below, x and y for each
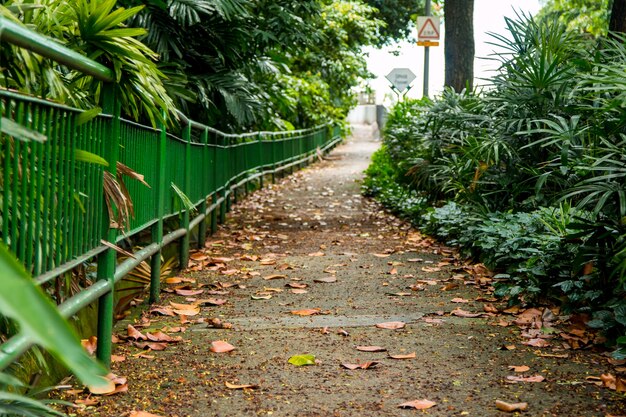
(143, 414)
(365, 365)
(521, 368)
(316, 254)
(296, 285)
(411, 355)
(118, 358)
(219, 346)
(325, 280)
(134, 333)
(188, 293)
(490, 308)
(243, 386)
(298, 291)
(275, 276)
(462, 313)
(459, 300)
(537, 342)
(430, 269)
(418, 404)
(515, 378)
(391, 325)
(510, 407)
(306, 312)
(211, 301)
(162, 337)
(371, 348)
(90, 344)
(151, 345)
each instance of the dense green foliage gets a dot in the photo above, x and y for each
(233, 64)
(591, 16)
(528, 176)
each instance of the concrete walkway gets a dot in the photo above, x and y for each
(313, 243)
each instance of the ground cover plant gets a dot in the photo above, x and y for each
(527, 176)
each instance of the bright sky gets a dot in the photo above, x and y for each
(488, 17)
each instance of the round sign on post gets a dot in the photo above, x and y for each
(400, 78)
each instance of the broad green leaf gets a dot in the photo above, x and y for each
(11, 128)
(39, 319)
(87, 115)
(89, 157)
(302, 360)
(183, 198)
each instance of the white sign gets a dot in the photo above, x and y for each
(400, 78)
(427, 28)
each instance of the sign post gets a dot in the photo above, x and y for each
(427, 36)
(400, 79)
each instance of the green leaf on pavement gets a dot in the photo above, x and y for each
(302, 360)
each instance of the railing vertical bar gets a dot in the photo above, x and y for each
(39, 207)
(205, 179)
(184, 243)
(17, 146)
(48, 203)
(157, 228)
(73, 181)
(60, 189)
(106, 261)
(5, 109)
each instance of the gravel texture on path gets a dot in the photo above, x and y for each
(311, 244)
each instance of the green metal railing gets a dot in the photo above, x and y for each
(54, 216)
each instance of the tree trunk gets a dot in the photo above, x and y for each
(459, 43)
(618, 16)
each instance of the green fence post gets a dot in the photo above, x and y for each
(157, 228)
(202, 227)
(107, 260)
(184, 242)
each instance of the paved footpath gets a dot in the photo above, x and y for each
(310, 244)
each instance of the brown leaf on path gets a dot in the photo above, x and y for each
(143, 414)
(134, 333)
(510, 407)
(118, 389)
(371, 348)
(449, 287)
(317, 254)
(325, 280)
(459, 300)
(427, 281)
(199, 256)
(411, 355)
(118, 358)
(490, 308)
(430, 269)
(211, 301)
(221, 260)
(188, 293)
(306, 312)
(219, 346)
(243, 386)
(391, 325)
(343, 333)
(394, 271)
(381, 255)
(178, 280)
(507, 347)
(90, 344)
(462, 313)
(528, 317)
(298, 291)
(159, 336)
(151, 345)
(275, 276)
(418, 404)
(87, 402)
(296, 285)
(535, 378)
(537, 342)
(365, 365)
(521, 368)
(164, 311)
